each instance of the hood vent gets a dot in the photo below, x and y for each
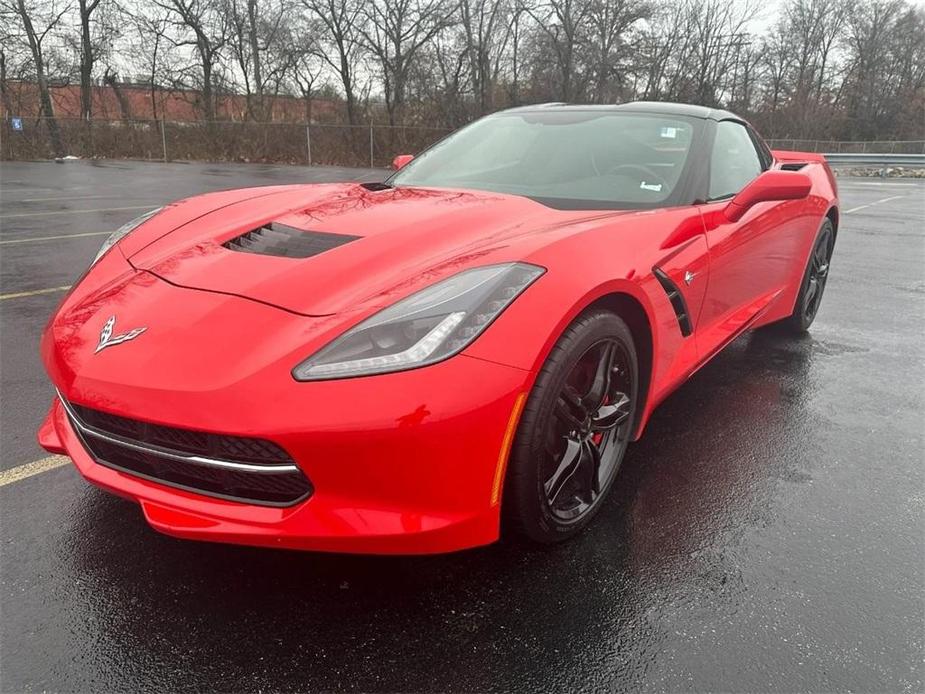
(376, 186)
(286, 241)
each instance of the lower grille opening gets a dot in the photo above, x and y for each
(235, 468)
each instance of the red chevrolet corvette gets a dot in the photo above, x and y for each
(414, 366)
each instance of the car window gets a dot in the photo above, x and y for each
(563, 158)
(734, 162)
(764, 151)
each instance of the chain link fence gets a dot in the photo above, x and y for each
(851, 147)
(343, 145)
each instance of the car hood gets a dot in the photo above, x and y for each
(318, 250)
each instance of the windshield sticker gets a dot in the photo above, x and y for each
(669, 133)
(654, 187)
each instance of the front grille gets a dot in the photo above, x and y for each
(228, 467)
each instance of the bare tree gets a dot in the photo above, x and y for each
(488, 31)
(394, 32)
(342, 21)
(307, 62)
(146, 50)
(665, 38)
(88, 54)
(693, 50)
(812, 27)
(561, 27)
(111, 80)
(261, 48)
(776, 57)
(203, 26)
(886, 65)
(7, 39)
(38, 21)
(609, 43)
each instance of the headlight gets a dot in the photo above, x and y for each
(123, 231)
(428, 326)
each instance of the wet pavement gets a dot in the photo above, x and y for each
(765, 535)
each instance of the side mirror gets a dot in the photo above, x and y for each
(401, 160)
(771, 185)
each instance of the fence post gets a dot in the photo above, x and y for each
(163, 140)
(370, 143)
(308, 142)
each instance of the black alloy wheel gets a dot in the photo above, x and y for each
(814, 281)
(574, 431)
(818, 273)
(588, 432)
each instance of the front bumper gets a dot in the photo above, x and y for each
(415, 474)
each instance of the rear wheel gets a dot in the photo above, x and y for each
(814, 280)
(574, 430)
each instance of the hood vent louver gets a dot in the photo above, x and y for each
(677, 301)
(286, 241)
(375, 186)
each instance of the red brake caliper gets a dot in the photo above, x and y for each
(598, 437)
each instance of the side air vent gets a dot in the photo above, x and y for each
(677, 301)
(792, 165)
(286, 242)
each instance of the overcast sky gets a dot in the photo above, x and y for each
(769, 9)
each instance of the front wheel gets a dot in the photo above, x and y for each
(574, 430)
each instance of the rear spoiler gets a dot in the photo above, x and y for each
(794, 161)
(786, 156)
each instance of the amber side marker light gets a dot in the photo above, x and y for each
(506, 447)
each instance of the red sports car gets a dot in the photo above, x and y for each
(414, 366)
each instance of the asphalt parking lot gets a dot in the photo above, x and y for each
(765, 535)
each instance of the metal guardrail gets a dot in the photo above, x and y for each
(850, 146)
(913, 161)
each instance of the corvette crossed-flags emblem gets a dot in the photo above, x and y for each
(107, 339)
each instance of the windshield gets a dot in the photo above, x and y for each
(565, 159)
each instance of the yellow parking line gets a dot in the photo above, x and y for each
(34, 292)
(55, 238)
(101, 209)
(34, 468)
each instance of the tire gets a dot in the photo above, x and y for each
(813, 284)
(562, 420)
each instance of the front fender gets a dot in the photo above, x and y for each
(599, 266)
